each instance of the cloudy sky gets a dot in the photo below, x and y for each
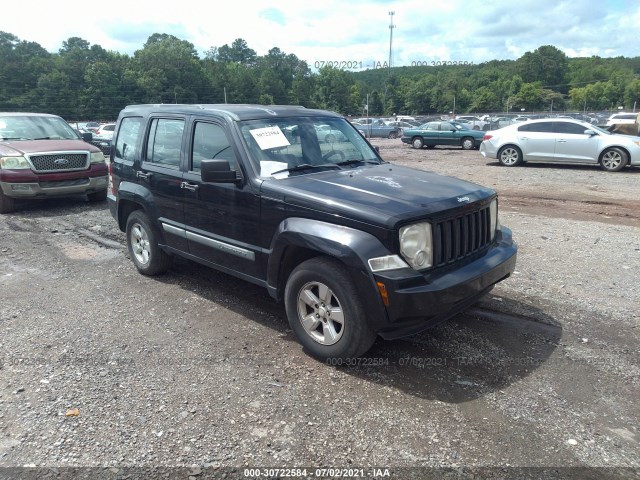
(355, 31)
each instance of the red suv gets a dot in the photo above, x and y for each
(41, 156)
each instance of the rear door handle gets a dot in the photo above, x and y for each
(143, 175)
(189, 186)
(562, 141)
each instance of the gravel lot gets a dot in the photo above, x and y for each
(199, 370)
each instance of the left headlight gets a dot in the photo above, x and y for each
(416, 245)
(14, 163)
(97, 157)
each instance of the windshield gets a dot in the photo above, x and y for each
(281, 147)
(24, 127)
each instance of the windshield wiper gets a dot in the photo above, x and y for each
(357, 162)
(13, 138)
(307, 166)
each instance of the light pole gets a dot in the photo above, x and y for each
(391, 27)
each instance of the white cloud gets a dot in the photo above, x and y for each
(356, 31)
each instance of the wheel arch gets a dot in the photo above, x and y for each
(512, 145)
(609, 147)
(133, 197)
(300, 239)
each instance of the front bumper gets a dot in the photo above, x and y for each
(26, 184)
(418, 301)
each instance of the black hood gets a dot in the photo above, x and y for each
(382, 195)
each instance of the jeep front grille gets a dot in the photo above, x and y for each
(461, 236)
(59, 162)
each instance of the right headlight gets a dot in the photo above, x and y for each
(416, 245)
(14, 163)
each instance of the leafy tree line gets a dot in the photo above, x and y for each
(84, 81)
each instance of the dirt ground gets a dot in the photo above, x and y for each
(197, 374)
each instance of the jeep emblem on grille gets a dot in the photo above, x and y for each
(61, 161)
(463, 199)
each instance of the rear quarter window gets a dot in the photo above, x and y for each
(127, 140)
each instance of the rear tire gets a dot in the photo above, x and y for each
(7, 204)
(142, 242)
(614, 159)
(325, 312)
(510, 156)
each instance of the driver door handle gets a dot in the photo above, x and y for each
(189, 186)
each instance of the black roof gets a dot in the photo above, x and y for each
(229, 110)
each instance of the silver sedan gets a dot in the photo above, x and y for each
(562, 141)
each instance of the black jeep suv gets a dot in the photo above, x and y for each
(296, 200)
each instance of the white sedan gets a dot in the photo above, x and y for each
(561, 140)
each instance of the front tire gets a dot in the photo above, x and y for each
(417, 142)
(325, 312)
(468, 143)
(142, 242)
(510, 156)
(614, 159)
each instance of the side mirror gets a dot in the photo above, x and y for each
(590, 132)
(217, 171)
(87, 136)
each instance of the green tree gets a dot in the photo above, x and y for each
(238, 52)
(632, 94)
(333, 88)
(547, 65)
(170, 70)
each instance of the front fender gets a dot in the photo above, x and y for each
(351, 246)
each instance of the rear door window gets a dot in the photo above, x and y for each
(542, 127)
(165, 140)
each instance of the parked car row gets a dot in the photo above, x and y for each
(517, 140)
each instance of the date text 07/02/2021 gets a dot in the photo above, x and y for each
(317, 472)
(372, 65)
